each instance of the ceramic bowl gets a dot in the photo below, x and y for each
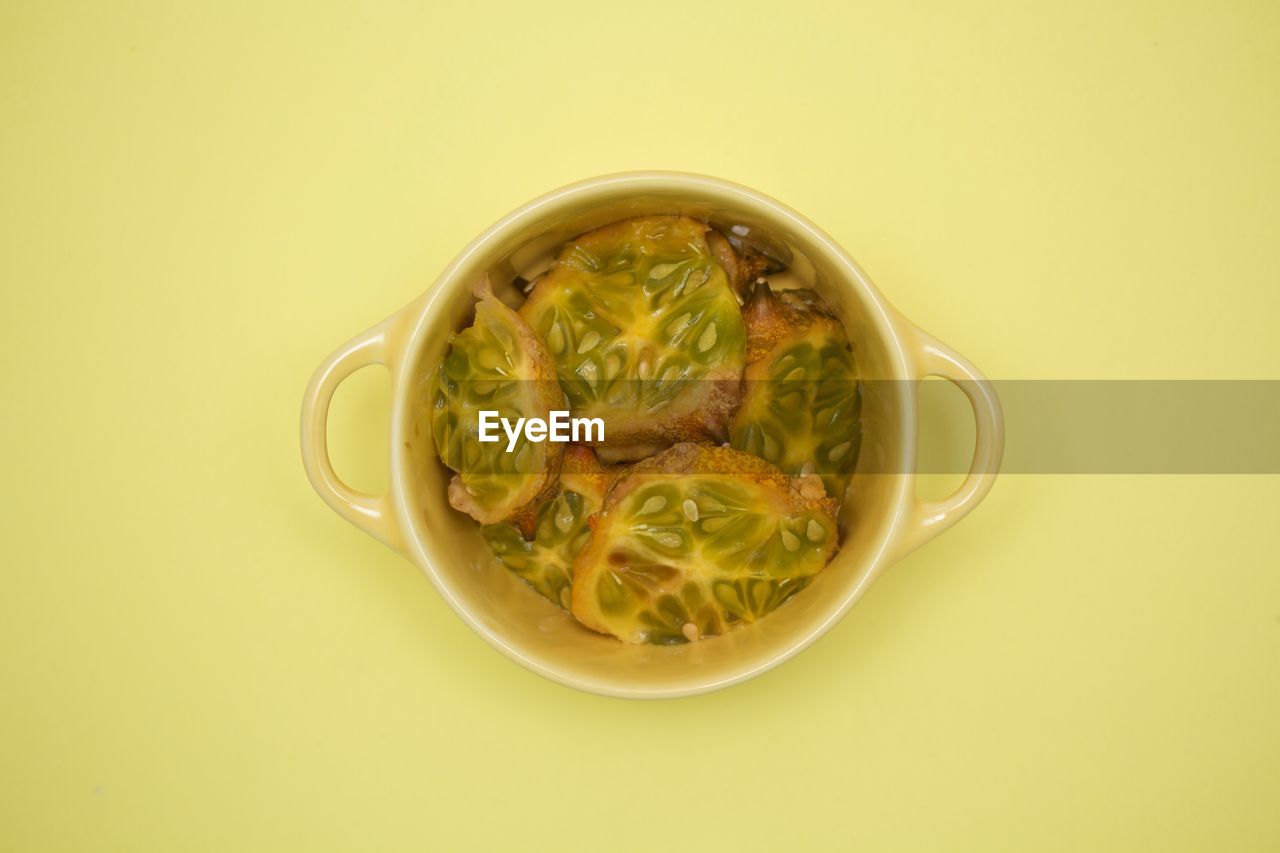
(882, 519)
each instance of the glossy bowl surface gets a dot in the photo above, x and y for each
(882, 519)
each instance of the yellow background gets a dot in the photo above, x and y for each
(199, 201)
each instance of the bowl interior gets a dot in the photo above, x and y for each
(542, 636)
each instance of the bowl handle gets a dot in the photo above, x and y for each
(934, 358)
(373, 514)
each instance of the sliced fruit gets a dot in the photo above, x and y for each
(544, 558)
(498, 364)
(699, 540)
(801, 403)
(645, 332)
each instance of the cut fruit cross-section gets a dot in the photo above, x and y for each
(560, 531)
(801, 401)
(699, 540)
(497, 364)
(646, 333)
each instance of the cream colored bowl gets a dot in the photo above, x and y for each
(882, 519)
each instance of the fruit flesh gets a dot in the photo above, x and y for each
(698, 540)
(645, 331)
(497, 364)
(801, 402)
(544, 560)
(639, 323)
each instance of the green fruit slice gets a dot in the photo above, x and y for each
(645, 332)
(699, 540)
(560, 530)
(497, 364)
(801, 402)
